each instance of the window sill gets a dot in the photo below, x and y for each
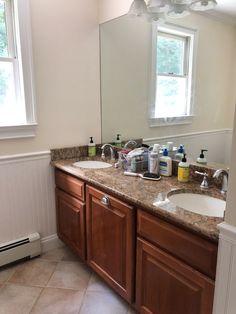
(18, 131)
(155, 122)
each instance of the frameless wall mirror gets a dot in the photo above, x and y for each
(174, 81)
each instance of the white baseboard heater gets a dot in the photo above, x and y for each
(12, 251)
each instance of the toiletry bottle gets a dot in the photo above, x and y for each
(201, 159)
(180, 153)
(165, 164)
(91, 148)
(183, 170)
(153, 160)
(118, 141)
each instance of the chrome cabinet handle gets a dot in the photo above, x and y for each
(105, 200)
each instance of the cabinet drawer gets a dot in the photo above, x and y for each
(70, 184)
(195, 251)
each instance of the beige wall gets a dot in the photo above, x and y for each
(126, 54)
(66, 66)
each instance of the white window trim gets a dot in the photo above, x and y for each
(156, 122)
(22, 12)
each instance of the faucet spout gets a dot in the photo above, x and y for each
(225, 174)
(111, 150)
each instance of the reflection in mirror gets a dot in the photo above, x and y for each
(128, 83)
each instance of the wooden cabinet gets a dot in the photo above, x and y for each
(175, 269)
(165, 285)
(110, 240)
(70, 196)
(71, 222)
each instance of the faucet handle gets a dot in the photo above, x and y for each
(204, 174)
(204, 184)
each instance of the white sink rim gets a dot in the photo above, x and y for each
(92, 164)
(199, 203)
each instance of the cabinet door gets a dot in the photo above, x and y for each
(71, 222)
(164, 285)
(110, 240)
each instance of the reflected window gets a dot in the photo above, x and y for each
(172, 75)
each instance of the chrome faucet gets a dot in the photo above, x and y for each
(204, 184)
(111, 150)
(225, 174)
(129, 143)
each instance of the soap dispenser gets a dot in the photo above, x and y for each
(165, 164)
(118, 142)
(183, 170)
(91, 148)
(201, 159)
(180, 153)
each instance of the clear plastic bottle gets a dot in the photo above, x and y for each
(153, 160)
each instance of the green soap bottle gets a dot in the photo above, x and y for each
(91, 148)
(118, 142)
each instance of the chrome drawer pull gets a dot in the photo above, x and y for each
(105, 200)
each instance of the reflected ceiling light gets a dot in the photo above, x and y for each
(203, 5)
(156, 6)
(138, 8)
(178, 11)
(171, 8)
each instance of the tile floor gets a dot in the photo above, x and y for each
(56, 283)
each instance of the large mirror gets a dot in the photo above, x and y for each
(126, 79)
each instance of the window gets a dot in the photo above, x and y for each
(172, 75)
(17, 105)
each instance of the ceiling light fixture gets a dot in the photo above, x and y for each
(153, 10)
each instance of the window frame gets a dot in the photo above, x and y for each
(190, 64)
(20, 30)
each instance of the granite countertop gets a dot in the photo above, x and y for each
(149, 195)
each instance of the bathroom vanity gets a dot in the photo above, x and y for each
(157, 256)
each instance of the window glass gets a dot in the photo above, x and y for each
(170, 55)
(3, 30)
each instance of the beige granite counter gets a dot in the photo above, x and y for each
(149, 195)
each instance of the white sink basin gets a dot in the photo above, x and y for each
(92, 164)
(199, 204)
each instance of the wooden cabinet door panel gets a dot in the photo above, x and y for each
(165, 285)
(110, 241)
(71, 222)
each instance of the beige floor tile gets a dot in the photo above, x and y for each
(131, 311)
(103, 303)
(70, 256)
(36, 272)
(96, 284)
(54, 255)
(16, 299)
(71, 275)
(6, 273)
(58, 301)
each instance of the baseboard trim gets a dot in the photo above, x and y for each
(51, 242)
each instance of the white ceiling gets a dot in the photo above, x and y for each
(226, 9)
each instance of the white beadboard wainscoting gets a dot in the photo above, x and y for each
(218, 143)
(225, 290)
(27, 198)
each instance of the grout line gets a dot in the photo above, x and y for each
(36, 300)
(85, 292)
